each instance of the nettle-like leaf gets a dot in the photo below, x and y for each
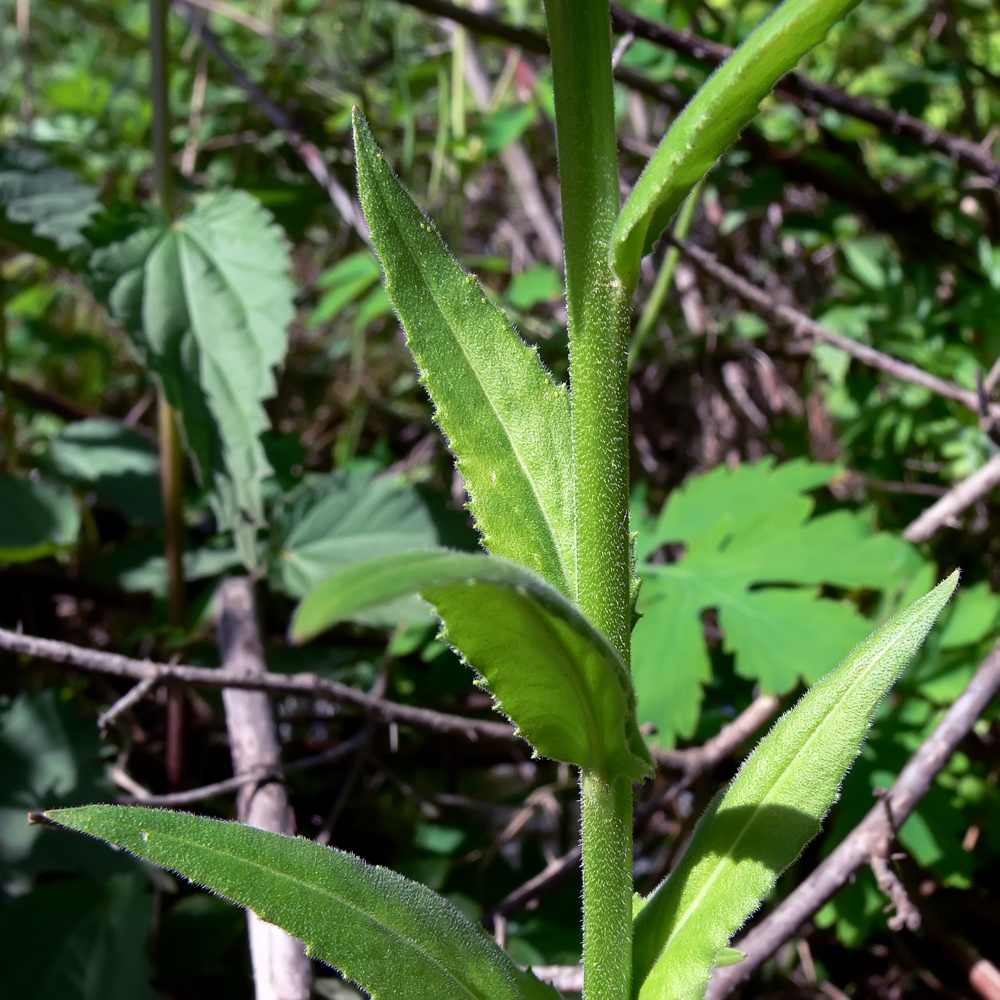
(713, 120)
(550, 670)
(771, 810)
(751, 553)
(350, 517)
(37, 518)
(507, 421)
(393, 937)
(43, 208)
(120, 464)
(207, 301)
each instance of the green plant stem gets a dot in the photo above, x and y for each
(159, 88)
(606, 816)
(171, 459)
(171, 456)
(598, 307)
(10, 444)
(665, 277)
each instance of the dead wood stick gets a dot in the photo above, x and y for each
(863, 843)
(142, 797)
(280, 968)
(960, 497)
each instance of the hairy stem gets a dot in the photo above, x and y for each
(607, 887)
(598, 307)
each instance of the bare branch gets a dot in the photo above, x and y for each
(518, 166)
(693, 762)
(956, 500)
(565, 978)
(797, 85)
(352, 699)
(862, 844)
(143, 798)
(282, 119)
(803, 324)
(232, 13)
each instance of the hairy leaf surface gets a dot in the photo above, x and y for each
(713, 119)
(207, 301)
(550, 670)
(394, 937)
(771, 810)
(507, 421)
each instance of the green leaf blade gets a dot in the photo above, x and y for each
(753, 553)
(394, 937)
(770, 811)
(44, 208)
(713, 120)
(207, 302)
(505, 418)
(550, 670)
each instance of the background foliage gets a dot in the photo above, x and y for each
(772, 476)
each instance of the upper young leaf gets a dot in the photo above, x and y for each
(506, 419)
(772, 809)
(713, 120)
(393, 937)
(555, 675)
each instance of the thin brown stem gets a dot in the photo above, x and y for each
(352, 699)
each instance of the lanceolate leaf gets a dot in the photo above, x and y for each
(392, 936)
(555, 675)
(713, 119)
(207, 301)
(772, 809)
(506, 419)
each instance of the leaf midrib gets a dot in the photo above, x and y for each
(543, 507)
(346, 903)
(725, 860)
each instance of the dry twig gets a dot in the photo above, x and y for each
(692, 762)
(957, 499)
(804, 325)
(349, 698)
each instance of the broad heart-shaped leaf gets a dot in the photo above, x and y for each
(37, 518)
(349, 517)
(549, 669)
(43, 208)
(207, 301)
(772, 809)
(394, 937)
(506, 419)
(712, 121)
(752, 554)
(121, 465)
